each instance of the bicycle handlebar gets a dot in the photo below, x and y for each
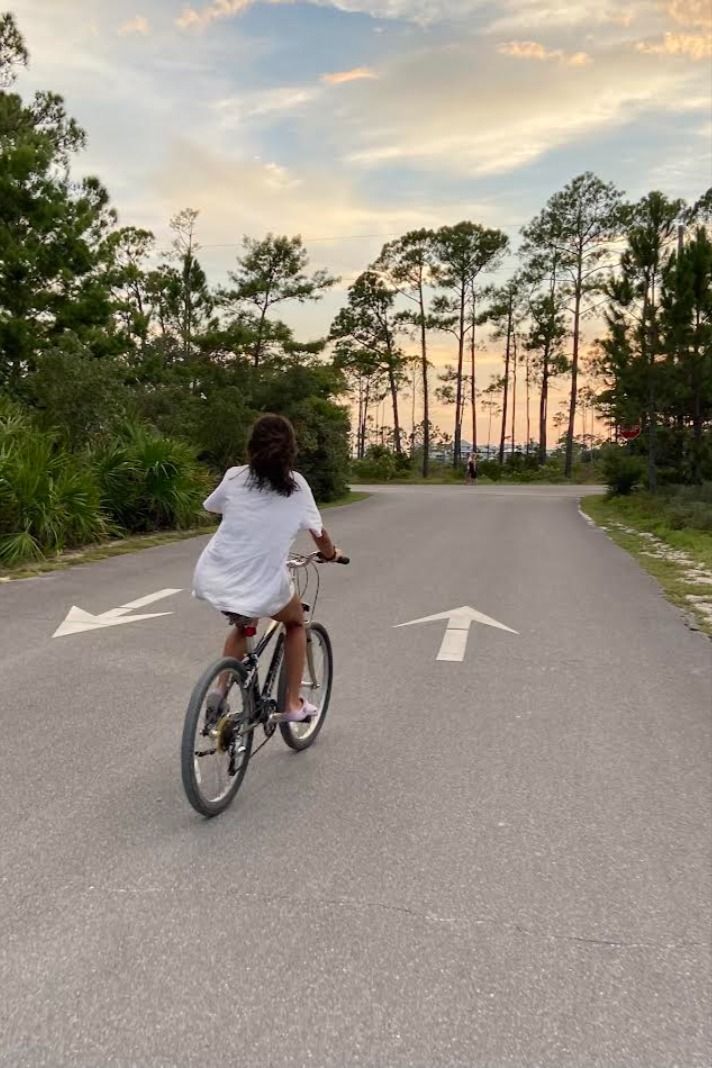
(297, 562)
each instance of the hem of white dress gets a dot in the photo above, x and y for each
(264, 613)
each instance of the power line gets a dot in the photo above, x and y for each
(506, 269)
(311, 240)
(339, 237)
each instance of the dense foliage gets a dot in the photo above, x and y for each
(127, 382)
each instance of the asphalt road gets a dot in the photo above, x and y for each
(499, 862)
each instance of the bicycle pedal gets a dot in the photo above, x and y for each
(276, 718)
(281, 717)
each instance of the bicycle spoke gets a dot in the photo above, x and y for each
(216, 758)
(312, 686)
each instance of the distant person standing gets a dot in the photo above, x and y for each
(471, 469)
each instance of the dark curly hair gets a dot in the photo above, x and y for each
(271, 452)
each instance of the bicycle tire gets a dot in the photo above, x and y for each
(191, 780)
(290, 731)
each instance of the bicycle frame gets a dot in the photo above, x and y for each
(252, 662)
(263, 695)
(265, 706)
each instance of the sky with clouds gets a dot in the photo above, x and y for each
(350, 121)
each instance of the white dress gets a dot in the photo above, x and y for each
(243, 569)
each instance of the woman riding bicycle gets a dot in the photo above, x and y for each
(243, 571)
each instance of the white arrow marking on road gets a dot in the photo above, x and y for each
(459, 621)
(78, 620)
(143, 602)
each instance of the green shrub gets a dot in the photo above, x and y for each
(373, 470)
(585, 472)
(688, 506)
(517, 463)
(49, 497)
(220, 429)
(623, 472)
(322, 438)
(304, 393)
(378, 465)
(77, 396)
(703, 492)
(454, 474)
(490, 469)
(695, 515)
(149, 482)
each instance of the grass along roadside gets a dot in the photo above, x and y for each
(352, 497)
(484, 480)
(131, 544)
(679, 557)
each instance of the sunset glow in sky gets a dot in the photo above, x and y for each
(350, 121)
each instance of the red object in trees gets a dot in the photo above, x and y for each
(629, 433)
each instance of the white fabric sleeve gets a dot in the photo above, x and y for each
(216, 501)
(311, 516)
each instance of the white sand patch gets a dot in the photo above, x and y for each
(698, 577)
(691, 571)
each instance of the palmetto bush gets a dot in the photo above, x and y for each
(149, 482)
(53, 499)
(49, 498)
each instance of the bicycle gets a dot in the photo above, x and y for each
(223, 745)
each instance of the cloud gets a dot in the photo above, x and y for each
(315, 201)
(341, 77)
(694, 46)
(424, 12)
(219, 9)
(534, 50)
(549, 14)
(514, 14)
(264, 102)
(425, 136)
(278, 177)
(437, 110)
(690, 12)
(137, 25)
(577, 59)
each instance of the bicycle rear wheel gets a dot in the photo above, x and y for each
(316, 688)
(216, 745)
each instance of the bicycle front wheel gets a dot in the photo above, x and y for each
(217, 739)
(316, 688)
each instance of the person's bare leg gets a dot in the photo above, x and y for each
(295, 651)
(235, 647)
(235, 644)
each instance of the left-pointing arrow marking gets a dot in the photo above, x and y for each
(78, 620)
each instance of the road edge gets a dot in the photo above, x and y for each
(667, 567)
(94, 554)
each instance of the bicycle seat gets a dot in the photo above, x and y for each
(240, 621)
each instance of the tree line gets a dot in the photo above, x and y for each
(643, 268)
(112, 347)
